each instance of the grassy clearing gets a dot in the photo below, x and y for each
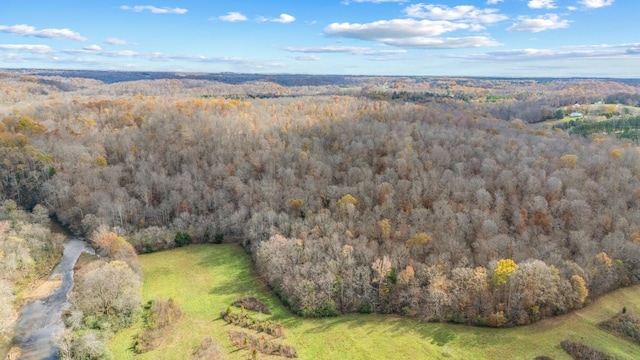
(204, 280)
(624, 110)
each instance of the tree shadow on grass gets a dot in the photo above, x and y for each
(442, 336)
(217, 255)
(232, 274)
(239, 288)
(437, 333)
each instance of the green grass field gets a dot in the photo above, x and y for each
(205, 279)
(593, 108)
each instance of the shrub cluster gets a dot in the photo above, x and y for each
(581, 351)
(208, 350)
(244, 340)
(624, 324)
(247, 321)
(251, 303)
(158, 316)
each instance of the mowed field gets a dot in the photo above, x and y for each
(594, 108)
(206, 279)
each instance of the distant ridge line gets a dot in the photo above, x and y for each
(111, 77)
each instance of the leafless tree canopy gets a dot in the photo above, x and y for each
(405, 197)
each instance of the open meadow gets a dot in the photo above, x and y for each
(205, 279)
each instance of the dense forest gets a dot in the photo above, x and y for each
(439, 199)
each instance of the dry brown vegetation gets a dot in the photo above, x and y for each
(625, 325)
(28, 253)
(43, 289)
(208, 350)
(580, 351)
(258, 343)
(159, 316)
(251, 303)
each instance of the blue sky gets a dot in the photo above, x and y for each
(530, 38)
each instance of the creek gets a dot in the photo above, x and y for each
(40, 321)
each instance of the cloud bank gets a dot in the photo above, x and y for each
(26, 30)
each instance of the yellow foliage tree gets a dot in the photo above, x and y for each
(29, 126)
(385, 228)
(505, 268)
(295, 204)
(569, 161)
(604, 259)
(580, 287)
(101, 162)
(346, 200)
(615, 153)
(497, 319)
(419, 239)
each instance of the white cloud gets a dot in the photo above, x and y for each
(594, 4)
(113, 60)
(97, 50)
(38, 49)
(443, 43)
(306, 58)
(353, 50)
(465, 13)
(284, 19)
(540, 23)
(122, 53)
(412, 33)
(578, 60)
(27, 30)
(159, 57)
(593, 51)
(114, 41)
(493, 2)
(396, 28)
(542, 4)
(154, 10)
(572, 8)
(526, 53)
(233, 16)
(604, 46)
(476, 27)
(93, 48)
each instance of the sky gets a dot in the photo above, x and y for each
(513, 38)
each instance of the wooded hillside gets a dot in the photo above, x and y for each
(432, 208)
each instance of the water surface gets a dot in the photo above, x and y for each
(40, 321)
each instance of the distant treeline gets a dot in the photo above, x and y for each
(626, 128)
